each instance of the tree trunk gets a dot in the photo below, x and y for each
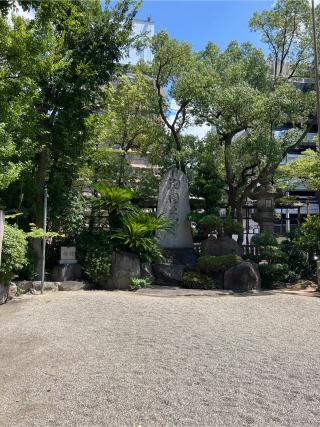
(121, 169)
(239, 218)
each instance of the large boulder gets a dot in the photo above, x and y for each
(47, 286)
(125, 266)
(223, 246)
(7, 292)
(3, 293)
(71, 286)
(66, 272)
(168, 274)
(242, 277)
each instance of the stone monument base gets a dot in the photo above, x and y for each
(182, 256)
(66, 272)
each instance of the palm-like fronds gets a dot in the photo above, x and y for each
(114, 198)
(152, 222)
(138, 238)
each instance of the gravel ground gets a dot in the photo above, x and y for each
(124, 359)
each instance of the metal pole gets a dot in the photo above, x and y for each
(316, 67)
(43, 264)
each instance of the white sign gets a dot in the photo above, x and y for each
(1, 231)
(68, 255)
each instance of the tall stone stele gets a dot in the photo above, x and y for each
(173, 203)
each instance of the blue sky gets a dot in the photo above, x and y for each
(199, 21)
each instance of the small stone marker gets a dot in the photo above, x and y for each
(68, 268)
(173, 203)
(1, 231)
(68, 255)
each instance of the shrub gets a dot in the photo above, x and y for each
(94, 253)
(97, 265)
(308, 237)
(208, 224)
(213, 264)
(196, 280)
(232, 226)
(136, 283)
(266, 239)
(138, 235)
(13, 253)
(273, 254)
(271, 273)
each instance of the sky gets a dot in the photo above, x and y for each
(198, 22)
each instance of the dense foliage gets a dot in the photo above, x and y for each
(212, 264)
(13, 253)
(196, 280)
(74, 117)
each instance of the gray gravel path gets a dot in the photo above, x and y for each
(124, 359)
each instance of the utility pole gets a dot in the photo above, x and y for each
(316, 67)
(44, 240)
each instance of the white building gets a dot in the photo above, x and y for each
(141, 28)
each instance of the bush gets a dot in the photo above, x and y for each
(213, 224)
(213, 264)
(266, 239)
(284, 263)
(136, 283)
(94, 253)
(196, 280)
(271, 273)
(308, 237)
(13, 253)
(232, 226)
(97, 265)
(273, 254)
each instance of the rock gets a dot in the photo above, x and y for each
(303, 285)
(71, 286)
(125, 266)
(173, 203)
(185, 256)
(12, 291)
(33, 292)
(242, 277)
(47, 286)
(3, 294)
(66, 272)
(146, 271)
(168, 274)
(24, 285)
(222, 246)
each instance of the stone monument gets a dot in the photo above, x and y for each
(173, 203)
(68, 268)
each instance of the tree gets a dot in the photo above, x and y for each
(286, 29)
(174, 71)
(128, 122)
(304, 169)
(60, 58)
(244, 107)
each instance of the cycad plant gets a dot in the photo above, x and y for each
(131, 229)
(115, 201)
(138, 235)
